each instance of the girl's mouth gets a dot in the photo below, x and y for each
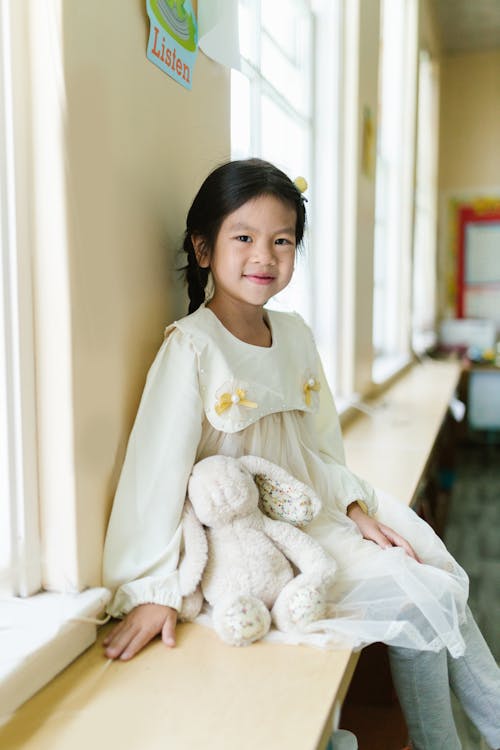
(259, 279)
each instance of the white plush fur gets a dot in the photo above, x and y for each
(193, 564)
(248, 570)
(193, 561)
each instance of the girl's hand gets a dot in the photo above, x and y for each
(377, 532)
(139, 627)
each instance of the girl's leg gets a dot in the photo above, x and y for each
(422, 686)
(475, 680)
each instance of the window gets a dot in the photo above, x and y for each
(424, 243)
(19, 545)
(393, 192)
(271, 112)
(32, 212)
(272, 105)
(41, 632)
(285, 108)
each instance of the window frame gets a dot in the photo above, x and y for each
(424, 298)
(18, 444)
(42, 631)
(392, 294)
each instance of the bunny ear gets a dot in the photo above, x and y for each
(282, 497)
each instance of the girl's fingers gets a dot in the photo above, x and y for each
(168, 630)
(399, 541)
(382, 535)
(136, 643)
(370, 530)
(140, 637)
(140, 626)
(381, 539)
(112, 633)
(120, 641)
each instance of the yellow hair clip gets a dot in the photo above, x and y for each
(301, 184)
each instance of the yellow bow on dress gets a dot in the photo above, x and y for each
(310, 385)
(238, 398)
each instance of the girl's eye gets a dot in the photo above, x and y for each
(244, 238)
(283, 241)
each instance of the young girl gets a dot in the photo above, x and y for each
(234, 378)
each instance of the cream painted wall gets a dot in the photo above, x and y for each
(470, 121)
(137, 146)
(369, 20)
(469, 163)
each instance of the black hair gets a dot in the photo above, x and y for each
(225, 190)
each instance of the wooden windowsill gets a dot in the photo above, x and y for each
(204, 693)
(392, 446)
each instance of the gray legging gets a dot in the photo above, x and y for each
(423, 679)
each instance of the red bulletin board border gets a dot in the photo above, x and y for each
(480, 211)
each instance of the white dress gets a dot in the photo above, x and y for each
(285, 413)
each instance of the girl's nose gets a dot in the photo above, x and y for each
(264, 252)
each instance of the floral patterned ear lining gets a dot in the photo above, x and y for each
(284, 502)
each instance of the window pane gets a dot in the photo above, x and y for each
(248, 19)
(424, 249)
(279, 20)
(287, 70)
(284, 140)
(240, 116)
(393, 193)
(271, 104)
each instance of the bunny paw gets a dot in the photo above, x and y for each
(300, 603)
(306, 605)
(242, 621)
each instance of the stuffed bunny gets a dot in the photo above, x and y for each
(243, 561)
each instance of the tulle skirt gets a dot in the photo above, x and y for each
(378, 595)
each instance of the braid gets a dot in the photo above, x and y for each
(196, 277)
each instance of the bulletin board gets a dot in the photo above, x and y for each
(476, 241)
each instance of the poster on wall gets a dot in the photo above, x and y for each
(173, 38)
(478, 259)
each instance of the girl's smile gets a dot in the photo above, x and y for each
(259, 279)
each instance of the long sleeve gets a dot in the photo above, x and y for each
(331, 445)
(143, 540)
(348, 487)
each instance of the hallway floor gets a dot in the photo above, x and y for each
(473, 532)
(473, 537)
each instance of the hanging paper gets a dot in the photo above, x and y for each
(173, 38)
(219, 31)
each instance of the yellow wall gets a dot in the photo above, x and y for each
(365, 211)
(469, 156)
(137, 146)
(470, 121)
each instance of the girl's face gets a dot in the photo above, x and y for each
(254, 253)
